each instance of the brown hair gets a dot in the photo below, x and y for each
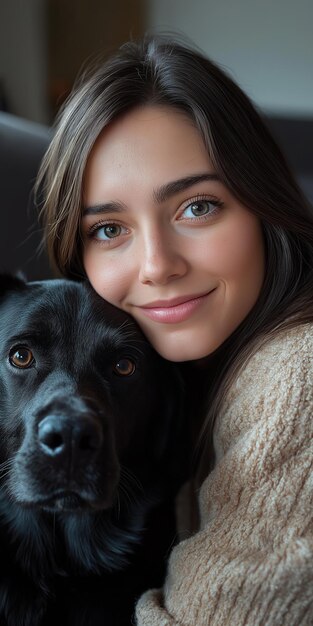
(160, 70)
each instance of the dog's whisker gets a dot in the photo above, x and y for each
(127, 491)
(130, 488)
(129, 475)
(124, 325)
(118, 501)
(54, 527)
(126, 499)
(87, 398)
(6, 463)
(5, 468)
(3, 475)
(134, 344)
(137, 349)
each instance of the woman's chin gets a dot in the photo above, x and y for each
(179, 346)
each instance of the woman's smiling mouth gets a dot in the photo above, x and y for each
(174, 311)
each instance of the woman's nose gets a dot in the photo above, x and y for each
(161, 262)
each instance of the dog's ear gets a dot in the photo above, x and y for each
(10, 282)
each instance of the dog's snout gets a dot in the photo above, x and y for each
(61, 437)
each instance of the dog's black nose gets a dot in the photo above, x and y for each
(61, 437)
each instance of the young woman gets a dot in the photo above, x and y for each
(163, 186)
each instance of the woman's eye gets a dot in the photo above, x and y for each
(107, 231)
(199, 208)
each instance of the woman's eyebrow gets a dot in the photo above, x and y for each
(160, 195)
(106, 207)
(170, 189)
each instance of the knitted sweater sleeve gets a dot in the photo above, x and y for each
(251, 562)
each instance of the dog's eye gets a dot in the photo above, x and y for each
(21, 357)
(124, 367)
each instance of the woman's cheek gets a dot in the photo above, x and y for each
(109, 279)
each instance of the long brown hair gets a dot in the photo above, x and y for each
(162, 70)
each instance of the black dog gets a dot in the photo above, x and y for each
(91, 451)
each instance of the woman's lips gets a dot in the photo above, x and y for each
(169, 313)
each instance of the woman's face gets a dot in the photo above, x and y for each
(164, 239)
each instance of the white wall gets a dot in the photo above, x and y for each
(267, 45)
(23, 57)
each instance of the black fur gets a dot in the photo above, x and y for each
(87, 464)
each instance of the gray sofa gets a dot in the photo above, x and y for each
(22, 145)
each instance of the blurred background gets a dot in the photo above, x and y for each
(265, 45)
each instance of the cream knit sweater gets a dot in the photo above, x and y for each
(251, 562)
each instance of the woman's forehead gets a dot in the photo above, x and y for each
(154, 145)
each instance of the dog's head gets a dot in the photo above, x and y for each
(87, 406)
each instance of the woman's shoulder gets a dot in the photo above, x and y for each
(284, 352)
(284, 358)
(286, 342)
(273, 391)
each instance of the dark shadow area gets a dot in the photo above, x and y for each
(295, 137)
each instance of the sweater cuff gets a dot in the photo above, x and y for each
(150, 612)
